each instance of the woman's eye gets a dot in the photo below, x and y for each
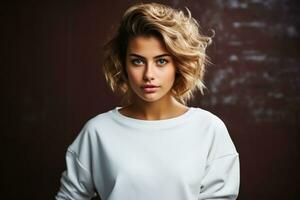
(162, 61)
(136, 61)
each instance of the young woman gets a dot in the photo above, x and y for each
(154, 147)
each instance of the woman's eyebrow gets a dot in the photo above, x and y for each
(136, 55)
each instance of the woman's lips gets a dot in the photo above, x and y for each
(150, 89)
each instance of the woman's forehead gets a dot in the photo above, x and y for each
(146, 45)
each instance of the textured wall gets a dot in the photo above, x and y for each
(51, 59)
(256, 53)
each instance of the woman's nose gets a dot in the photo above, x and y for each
(148, 74)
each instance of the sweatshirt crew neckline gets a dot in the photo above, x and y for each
(152, 124)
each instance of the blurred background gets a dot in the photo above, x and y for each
(51, 62)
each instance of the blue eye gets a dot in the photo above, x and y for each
(162, 61)
(136, 61)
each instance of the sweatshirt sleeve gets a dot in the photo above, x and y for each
(221, 179)
(76, 181)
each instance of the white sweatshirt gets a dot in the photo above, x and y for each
(189, 157)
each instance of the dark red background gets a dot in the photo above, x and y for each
(51, 59)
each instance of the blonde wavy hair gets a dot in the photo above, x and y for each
(180, 34)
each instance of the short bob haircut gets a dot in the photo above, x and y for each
(179, 33)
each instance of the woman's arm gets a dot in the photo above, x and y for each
(76, 182)
(222, 179)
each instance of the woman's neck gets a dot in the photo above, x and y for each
(168, 108)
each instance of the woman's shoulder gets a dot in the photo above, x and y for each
(92, 128)
(219, 132)
(208, 116)
(99, 119)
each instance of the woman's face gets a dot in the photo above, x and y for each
(149, 63)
